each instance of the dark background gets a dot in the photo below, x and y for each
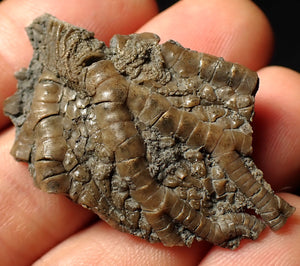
(284, 16)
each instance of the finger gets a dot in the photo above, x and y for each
(236, 30)
(105, 18)
(272, 248)
(277, 127)
(102, 245)
(31, 221)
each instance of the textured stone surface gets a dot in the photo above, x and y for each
(154, 138)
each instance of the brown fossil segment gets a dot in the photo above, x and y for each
(154, 138)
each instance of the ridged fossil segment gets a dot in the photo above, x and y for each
(154, 138)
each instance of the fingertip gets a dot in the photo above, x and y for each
(276, 127)
(236, 30)
(101, 244)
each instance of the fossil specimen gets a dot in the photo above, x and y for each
(154, 138)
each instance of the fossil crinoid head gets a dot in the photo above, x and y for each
(139, 57)
(64, 49)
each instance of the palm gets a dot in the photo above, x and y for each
(36, 225)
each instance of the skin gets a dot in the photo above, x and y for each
(44, 229)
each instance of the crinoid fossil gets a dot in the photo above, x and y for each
(154, 138)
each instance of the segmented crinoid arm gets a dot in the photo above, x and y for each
(155, 139)
(223, 144)
(161, 207)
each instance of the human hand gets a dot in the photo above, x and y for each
(50, 229)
